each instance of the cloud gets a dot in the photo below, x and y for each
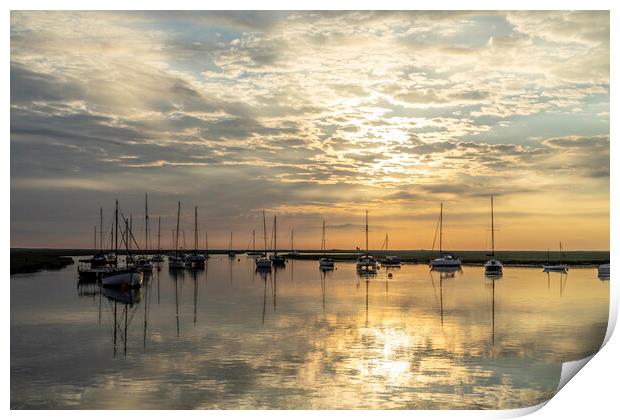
(275, 110)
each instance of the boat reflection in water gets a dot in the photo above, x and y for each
(126, 300)
(490, 279)
(409, 341)
(561, 276)
(444, 273)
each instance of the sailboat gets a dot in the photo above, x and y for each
(560, 266)
(99, 257)
(195, 259)
(143, 263)
(158, 257)
(293, 252)
(389, 260)
(325, 263)
(276, 259)
(366, 263)
(254, 252)
(207, 256)
(231, 253)
(127, 277)
(445, 260)
(175, 261)
(264, 263)
(493, 266)
(99, 263)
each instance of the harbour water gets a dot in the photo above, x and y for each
(228, 337)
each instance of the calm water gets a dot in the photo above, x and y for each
(226, 337)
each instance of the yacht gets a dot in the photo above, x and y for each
(264, 263)
(143, 264)
(128, 277)
(366, 263)
(559, 266)
(158, 257)
(325, 262)
(445, 260)
(389, 260)
(231, 253)
(175, 259)
(294, 252)
(195, 259)
(493, 266)
(604, 271)
(276, 259)
(254, 252)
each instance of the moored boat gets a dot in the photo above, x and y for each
(559, 266)
(264, 263)
(366, 263)
(389, 260)
(493, 267)
(130, 278)
(325, 262)
(276, 259)
(445, 260)
(175, 259)
(231, 253)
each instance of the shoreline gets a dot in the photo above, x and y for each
(31, 260)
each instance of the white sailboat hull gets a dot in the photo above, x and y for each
(367, 265)
(445, 262)
(131, 279)
(493, 267)
(263, 263)
(326, 264)
(175, 262)
(604, 270)
(555, 267)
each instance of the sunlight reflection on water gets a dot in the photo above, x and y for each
(227, 337)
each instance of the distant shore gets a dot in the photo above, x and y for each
(30, 260)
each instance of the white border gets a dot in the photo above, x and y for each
(593, 394)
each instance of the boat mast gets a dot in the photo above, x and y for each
(386, 244)
(292, 233)
(441, 229)
(206, 242)
(264, 235)
(195, 228)
(275, 235)
(176, 243)
(128, 242)
(253, 240)
(323, 239)
(146, 222)
(101, 229)
(230, 243)
(366, 232)
(158, 234)
(492, 231)
(116, 233)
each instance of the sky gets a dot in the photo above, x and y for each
(313, 116)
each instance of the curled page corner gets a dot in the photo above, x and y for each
(570, 369)
(613, 313)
